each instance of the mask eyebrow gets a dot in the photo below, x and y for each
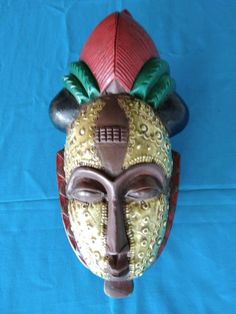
(148, 169)
(87, 173)
(144, 169)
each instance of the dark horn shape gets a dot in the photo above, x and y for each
(63, 110)
(174, 113)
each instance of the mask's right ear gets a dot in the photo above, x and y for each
(63, 109)
(174, 113)
(154, 85)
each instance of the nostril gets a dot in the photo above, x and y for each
(118, 264)
(113, 261)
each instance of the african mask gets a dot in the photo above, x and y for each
(117, 175)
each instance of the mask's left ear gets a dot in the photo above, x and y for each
(80, 88)
(174, 113)
(63, 109)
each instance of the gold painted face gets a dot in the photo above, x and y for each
(145, 219)
(88, 224)
(146, 222)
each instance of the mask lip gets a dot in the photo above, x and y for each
(174, 184)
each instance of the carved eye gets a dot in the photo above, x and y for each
(143, 194)
(87, 191)
(87, 196)
(143, 188)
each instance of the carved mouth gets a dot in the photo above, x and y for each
(118, 274)
(118, 266)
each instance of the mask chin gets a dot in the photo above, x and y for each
(118, 289)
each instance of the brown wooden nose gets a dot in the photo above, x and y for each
(117, 241)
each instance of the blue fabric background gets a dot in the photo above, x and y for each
(39, 273)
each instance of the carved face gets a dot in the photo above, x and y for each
(118, 166)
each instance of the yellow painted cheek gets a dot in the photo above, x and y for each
(88, 223)
(146, 223)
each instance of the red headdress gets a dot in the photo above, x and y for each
(117, 49)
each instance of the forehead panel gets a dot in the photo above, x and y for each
(115, 132)
(111, 136)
